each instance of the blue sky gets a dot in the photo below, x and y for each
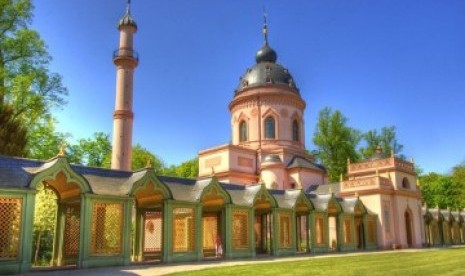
(381, 63)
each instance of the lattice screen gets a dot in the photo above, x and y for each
(153, 232)
(107, 228)
(210, 233)
(347, 231)
(72, 227)
(10, 227)
(240, 230)
(284, 230)
(183, 230)
(319, 230)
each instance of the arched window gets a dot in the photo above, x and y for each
(295, 130)
(270, 128)
(242, 131)
(405, 183)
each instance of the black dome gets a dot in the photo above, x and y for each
(266, 54)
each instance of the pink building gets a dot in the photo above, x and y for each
(268, 147)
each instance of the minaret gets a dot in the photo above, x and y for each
(126, 60)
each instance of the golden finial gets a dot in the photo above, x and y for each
(62, 151)
(213, 171)
(348, 161)
(341, 178)
(149, 164)
(356, 194)
(330, 190)
(392, 153)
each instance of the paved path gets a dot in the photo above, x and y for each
(163, 269)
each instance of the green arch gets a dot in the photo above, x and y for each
(303, 198)
(214, 184)
(148, 177)
(61, 165)
(263, 192)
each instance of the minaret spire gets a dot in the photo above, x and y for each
(126, 61)
(265, 27)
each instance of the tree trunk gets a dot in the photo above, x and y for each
(36, 254)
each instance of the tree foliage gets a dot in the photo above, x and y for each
(12, 133)
(44, 222)
(335, 142)
(445, 191)
(386, 139)
(25, 80)
(44, 141)
(187, 169)
(92, 151)
(140, 157)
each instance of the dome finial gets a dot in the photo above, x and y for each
(265, 27)
(128, 6)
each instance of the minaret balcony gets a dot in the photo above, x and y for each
(125, 53)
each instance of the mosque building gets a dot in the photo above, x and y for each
(263, 194)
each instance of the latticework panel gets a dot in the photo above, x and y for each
(210, 234)
(183, 230)
(10, 227)
(347, 231)
(240, 230)
(72, 229)
(284, 230)
(319, 230)
(153, 232)
(107, 228)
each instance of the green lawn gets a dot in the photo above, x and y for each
(438, 262)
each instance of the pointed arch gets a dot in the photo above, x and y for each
(243, 131)
(149, 190)
(297, 126)
(62, 178)
(333, 207)
(303, 204)
(270, 124)
(360, 208)
(263, 199)
(409, 227)
(214, 195)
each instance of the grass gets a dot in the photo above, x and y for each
(436, 262)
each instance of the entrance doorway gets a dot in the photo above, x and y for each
(262, 233)
(408, 228)
(57, 222)
(360, 235)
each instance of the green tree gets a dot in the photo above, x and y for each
(26, 82)
(12, 133)
(441, 190)
(44, 141)
(335, 142)
(44, 221)
(187, 169)
(386, 139)
(140, 157)
(92, 151)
